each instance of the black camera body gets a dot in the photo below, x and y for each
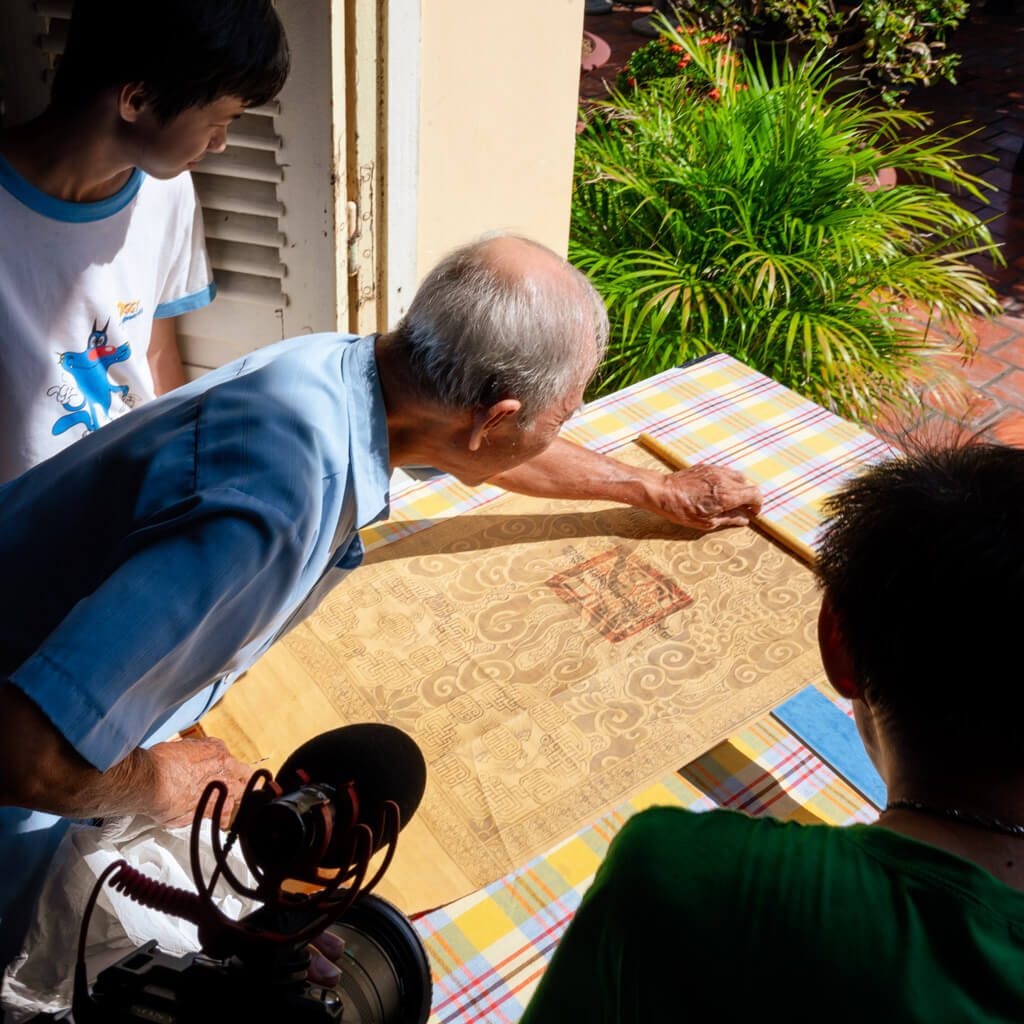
(385, 977)
(151, 985)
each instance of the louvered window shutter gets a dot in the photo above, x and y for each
(268, 201)
(242, 214)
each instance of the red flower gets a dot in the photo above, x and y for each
(631, 81)
(676, 48)
(715, 94)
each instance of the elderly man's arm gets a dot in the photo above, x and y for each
(702, 497)
(200, 581)
(40, 770)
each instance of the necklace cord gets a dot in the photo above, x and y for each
(960, 815)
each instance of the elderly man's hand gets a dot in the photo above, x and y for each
(705, 497)
(182, 769)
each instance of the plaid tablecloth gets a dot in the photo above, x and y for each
(715, 410)
(488, 950)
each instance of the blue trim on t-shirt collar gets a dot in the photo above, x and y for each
(60, 209)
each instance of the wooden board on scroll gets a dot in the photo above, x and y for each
(551, 659)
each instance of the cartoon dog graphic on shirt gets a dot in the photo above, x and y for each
(89, 370)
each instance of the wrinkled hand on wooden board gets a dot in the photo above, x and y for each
(705, 497)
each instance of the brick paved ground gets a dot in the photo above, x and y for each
(989, 98)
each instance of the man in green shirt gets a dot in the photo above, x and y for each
(919, 917)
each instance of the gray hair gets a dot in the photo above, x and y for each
(476, 332)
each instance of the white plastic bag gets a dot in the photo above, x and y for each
(41, 978)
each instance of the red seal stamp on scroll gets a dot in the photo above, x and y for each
(620, 593)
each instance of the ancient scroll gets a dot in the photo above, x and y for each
(551, 659)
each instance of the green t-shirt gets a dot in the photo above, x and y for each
(718, 916)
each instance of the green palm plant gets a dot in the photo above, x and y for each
(738, 221)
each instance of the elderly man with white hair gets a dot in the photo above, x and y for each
(150, 564)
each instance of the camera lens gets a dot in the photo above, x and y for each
(385, 977)
(287, 829)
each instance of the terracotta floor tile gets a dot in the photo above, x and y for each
(1011, 125)
(1000, 201)
(1012, 247)
(982, 162)
(991, 86)
(890, 423)
(1000, 223)
(1013, 351)
(1001, 178)
(971, 408)
(993, 333)
(986, 264)
(1006, 124)
(1009, 429)
(1007, 141)
(982, 369)
(615, 29)
(1009, 389)
(1004, 277)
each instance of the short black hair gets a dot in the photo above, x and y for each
(923, 562)
(185, 53)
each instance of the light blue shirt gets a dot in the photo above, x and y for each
(148, 565)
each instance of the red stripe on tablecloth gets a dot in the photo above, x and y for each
(828, 471)
(553, 929)
(734, 451)
(805, 762)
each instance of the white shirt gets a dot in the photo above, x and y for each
(80, 286)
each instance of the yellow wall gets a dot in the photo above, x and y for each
(499, 81)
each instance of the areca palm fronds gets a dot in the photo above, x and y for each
(742, 224)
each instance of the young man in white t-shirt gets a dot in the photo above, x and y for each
(101, 245)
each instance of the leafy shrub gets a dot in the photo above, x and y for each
(889, 43)
(663, 58)
(742, 224)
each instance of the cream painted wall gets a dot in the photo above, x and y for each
(499, 82)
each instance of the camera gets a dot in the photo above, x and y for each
(307, 837)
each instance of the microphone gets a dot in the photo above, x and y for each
(309, 817)
(377, 762)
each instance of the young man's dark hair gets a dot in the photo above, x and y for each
(923, 563)
(185, 53)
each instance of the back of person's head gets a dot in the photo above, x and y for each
(504, 317)
(923, 562)
(185, 53)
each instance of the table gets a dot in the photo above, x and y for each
(801, 762)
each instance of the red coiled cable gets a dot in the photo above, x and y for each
(157, 895)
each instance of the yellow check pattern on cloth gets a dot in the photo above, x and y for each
(488, 950)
